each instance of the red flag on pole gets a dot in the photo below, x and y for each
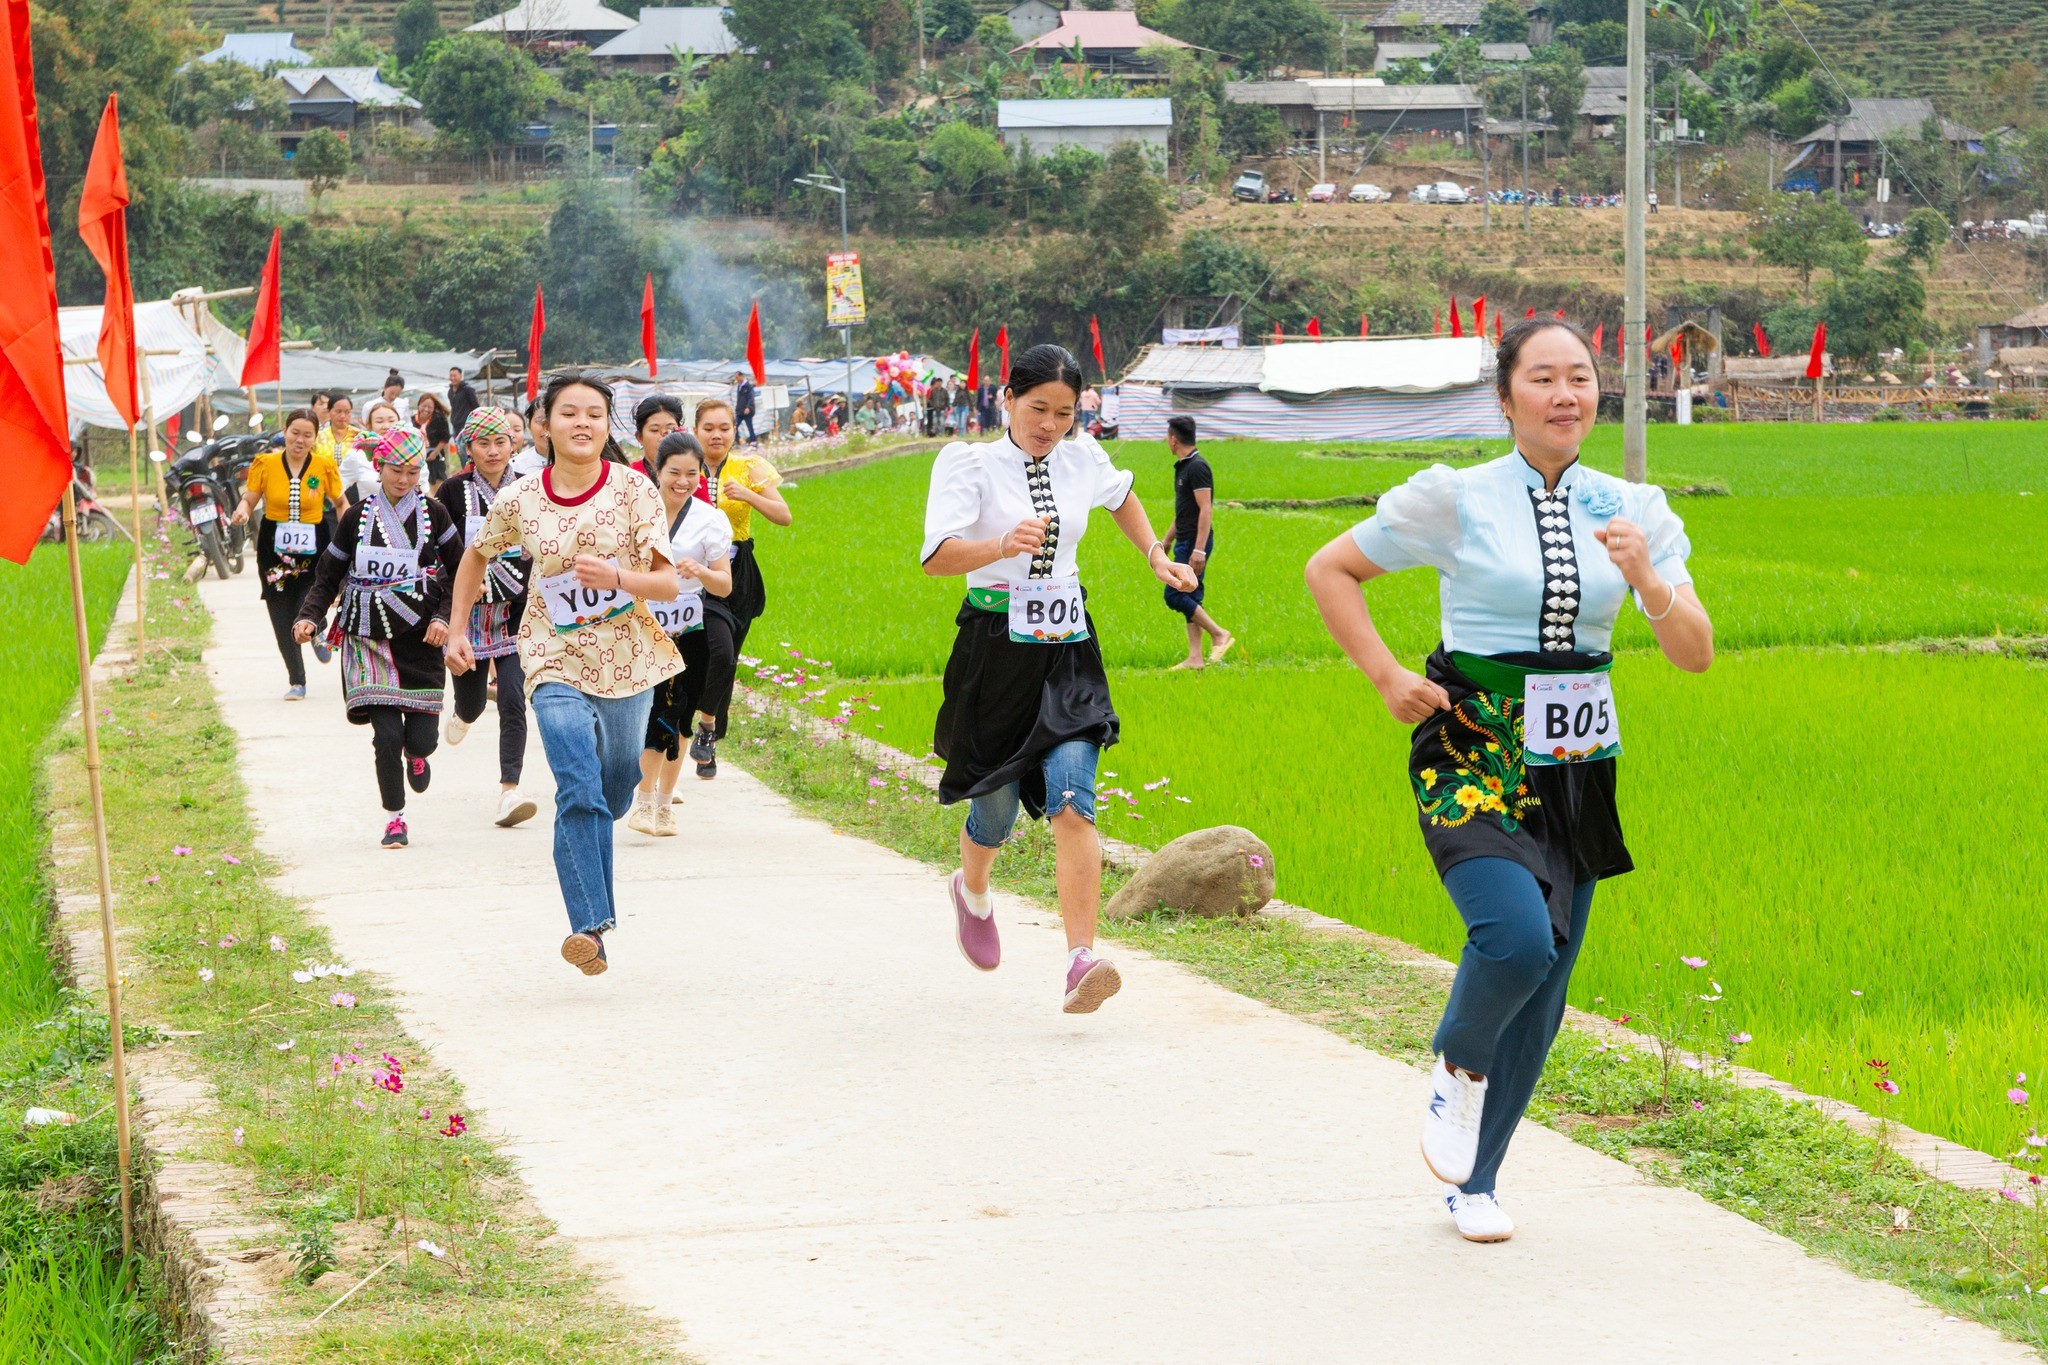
(757, 358)
(1532, 313)
(1315, 328)
(1677, 351)
(1599, 338)
(1364, 326)
(647, 323)
(1818, 354)
(35, 446)
(1457, 319)
(534, 330)
(103, 223)
(1479, 316)
(260, 364)
(1496, 329)
(1095, 338)
(1436, 320)
(1763, 343)
(1276, 334)
(1560, 315)
(974, 360)
(1003, 345)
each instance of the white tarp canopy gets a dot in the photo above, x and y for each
(1409, 365)
(176, 377)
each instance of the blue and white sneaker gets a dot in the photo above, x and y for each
(1450, 1126)
(1479, 1217)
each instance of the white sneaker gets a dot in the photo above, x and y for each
(664, 819)
(1450, 1126)
(1480, 1217)
(515, 807)
(641, 817)
(455, 729)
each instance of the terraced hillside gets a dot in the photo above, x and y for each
(312, 19)
(1948, 50)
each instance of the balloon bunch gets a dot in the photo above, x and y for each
(897, 376)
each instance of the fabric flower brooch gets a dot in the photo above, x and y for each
(1599, 500)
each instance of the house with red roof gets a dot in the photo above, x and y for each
(1108, 40)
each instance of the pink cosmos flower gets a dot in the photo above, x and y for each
(1256, 859)
(342, 1000)
(276, 944)
(151, 880)
(180, 851)
(457, 1126)
(206, 973)
(1739, 1038)
(1887, 1085)
(2016, 1095)
(2013, 1195)
(228, 940)
(231, 858)
(1694, 962)
(238, 1137)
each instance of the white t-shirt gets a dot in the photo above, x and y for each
(359, 474)
(979, 491)
(705, 536)
(526, 460)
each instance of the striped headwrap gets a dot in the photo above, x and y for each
(401, 445)
(486, 422)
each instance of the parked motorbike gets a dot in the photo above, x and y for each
(95, 523)
(1277, 195)
(208, 479)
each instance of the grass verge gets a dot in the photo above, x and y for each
(354, 1143)
(65, 1293)
(1778, 1163)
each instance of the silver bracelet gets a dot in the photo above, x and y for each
(1667, 606)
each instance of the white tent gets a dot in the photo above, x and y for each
(175, 355)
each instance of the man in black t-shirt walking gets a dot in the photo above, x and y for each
(1191, 538)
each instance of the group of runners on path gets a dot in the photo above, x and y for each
(610, 602)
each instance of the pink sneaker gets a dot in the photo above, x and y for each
(975, 935)
(1090, 981)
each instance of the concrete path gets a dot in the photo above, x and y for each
(791, 1119)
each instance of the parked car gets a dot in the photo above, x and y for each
(1440, 192)
(1368, 194)
(1324, 193)
(1250, 187)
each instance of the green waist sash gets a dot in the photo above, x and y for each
(1495, 675)
(990, 599)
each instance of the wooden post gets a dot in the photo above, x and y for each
(135, 520)
(1818, 414)
(99, 834)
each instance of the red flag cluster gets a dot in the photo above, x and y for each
(103, 223)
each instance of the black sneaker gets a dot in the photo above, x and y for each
(700, 745)
(418, 774)
(708, 768)
(394, 833)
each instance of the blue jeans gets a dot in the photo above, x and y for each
(593, 746)
(1508, 998)
(1069, 783)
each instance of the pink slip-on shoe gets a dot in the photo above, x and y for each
(975, 935)
(1090, 981)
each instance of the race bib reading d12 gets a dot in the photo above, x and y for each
(571, 606)
(1568, 718)
(1047, 611)
(295, 538)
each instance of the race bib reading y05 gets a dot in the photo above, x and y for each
(1047, 611)
(571, 606)
(1568, 718)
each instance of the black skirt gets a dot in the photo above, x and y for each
(1007, 704)
(749, 596)
(286, 576)
(1475, 799)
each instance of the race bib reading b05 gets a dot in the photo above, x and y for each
(1568, 718)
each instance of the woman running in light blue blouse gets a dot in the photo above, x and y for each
(1517, 722)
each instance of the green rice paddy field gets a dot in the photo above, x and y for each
(1853, 834)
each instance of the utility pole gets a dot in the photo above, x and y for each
(1525, 148)
(837, 186)
(920, 71)
(1677, 138)
(1635, 310)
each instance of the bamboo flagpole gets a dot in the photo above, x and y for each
(91, 725)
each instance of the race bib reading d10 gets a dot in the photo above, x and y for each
(680, 617)
(1047, 611)
(1568, 718)
(571, 606)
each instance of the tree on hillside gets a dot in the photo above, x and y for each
(1805, 232)
(1921, 238)
(476, 295)
(1128, 212)
(480, 92)
(587, 252)
(995, 35)
(1870, 312)
(805, 41)
(1259, 34)
(413, 29)
(349, 46)
(948, 21)
(1503, 21)
(323, 162)
(966, 160)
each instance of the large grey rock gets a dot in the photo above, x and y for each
(1223, 870)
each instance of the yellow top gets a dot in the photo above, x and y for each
(320, 480)
(333, 446)
(750, 470)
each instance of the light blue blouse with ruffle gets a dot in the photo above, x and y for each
(1513, 577)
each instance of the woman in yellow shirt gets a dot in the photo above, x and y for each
(739, 486)
(294, 486)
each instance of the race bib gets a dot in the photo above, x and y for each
(681, 616)
(1568, 718)
(387, 563)
(472, 529)
(1047, 611)
(295, 538)
(204, 514)
(571, 606)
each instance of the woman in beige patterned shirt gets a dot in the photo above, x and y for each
(591, 648)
